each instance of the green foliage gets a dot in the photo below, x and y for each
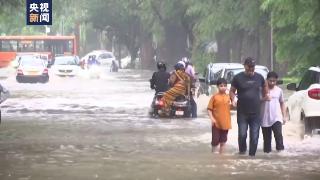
(66, 12)
(296, 25)
(11, 24)
(201, 58)
(287, 80)
(297, 32)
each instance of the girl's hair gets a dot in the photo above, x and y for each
(272, 74)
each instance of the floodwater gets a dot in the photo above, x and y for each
(80, 128)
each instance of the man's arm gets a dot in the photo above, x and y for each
(232, 94)
(265, 91)
(283, 110)
(152, 81)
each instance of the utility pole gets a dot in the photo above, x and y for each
(47, 29)
(271, 44)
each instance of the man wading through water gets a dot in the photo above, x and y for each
(249, 86)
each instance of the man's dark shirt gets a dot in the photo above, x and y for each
(159, 81)
(249, 92)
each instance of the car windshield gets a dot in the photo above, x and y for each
(215, 75)
(230, 73)
(65, 60)
(105, 56)
(31, 61)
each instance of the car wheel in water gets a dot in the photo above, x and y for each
(187, 113)
(44, 80)
(18, 80)
(307, 125)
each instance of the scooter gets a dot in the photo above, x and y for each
(181, 107)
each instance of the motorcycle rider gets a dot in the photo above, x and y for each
(92, 61)
(160, 79)
(159, 82)
(180, 81)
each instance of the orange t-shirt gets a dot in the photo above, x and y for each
(219, 104)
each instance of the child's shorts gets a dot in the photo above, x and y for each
(218, 136)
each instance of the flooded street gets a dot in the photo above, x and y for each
(78, 128)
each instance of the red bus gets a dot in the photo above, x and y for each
(11, 46)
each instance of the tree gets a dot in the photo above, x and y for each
(120, 19)
(238, 27)
(296, 31)
(172, 28)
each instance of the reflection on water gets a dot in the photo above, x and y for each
(75, 128)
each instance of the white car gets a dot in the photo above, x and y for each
(16, 61)
(32, 69)
(304, 104)
(215, 71)
(104, 57)
(66, 66)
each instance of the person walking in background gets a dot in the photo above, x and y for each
(219, 113)
(273, 113)
(4, 94)
(249, 86)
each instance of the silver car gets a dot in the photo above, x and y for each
(226, 71)
(32, 69)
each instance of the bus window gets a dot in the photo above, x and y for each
(8, 45)
(26, 46)
(40, 46)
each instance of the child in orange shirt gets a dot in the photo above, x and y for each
(219, 113)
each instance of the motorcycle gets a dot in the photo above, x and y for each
(180, 107)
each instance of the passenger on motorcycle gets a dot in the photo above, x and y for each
(189, 68)
(160, 79)
(191, 72)
(180, 81)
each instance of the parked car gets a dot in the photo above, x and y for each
(66, 66)
(304, 104)
(105, 58)
(32, 69)
(214, 71)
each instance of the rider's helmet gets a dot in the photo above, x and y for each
(161, 65)
(180, 66)
(185, 60)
